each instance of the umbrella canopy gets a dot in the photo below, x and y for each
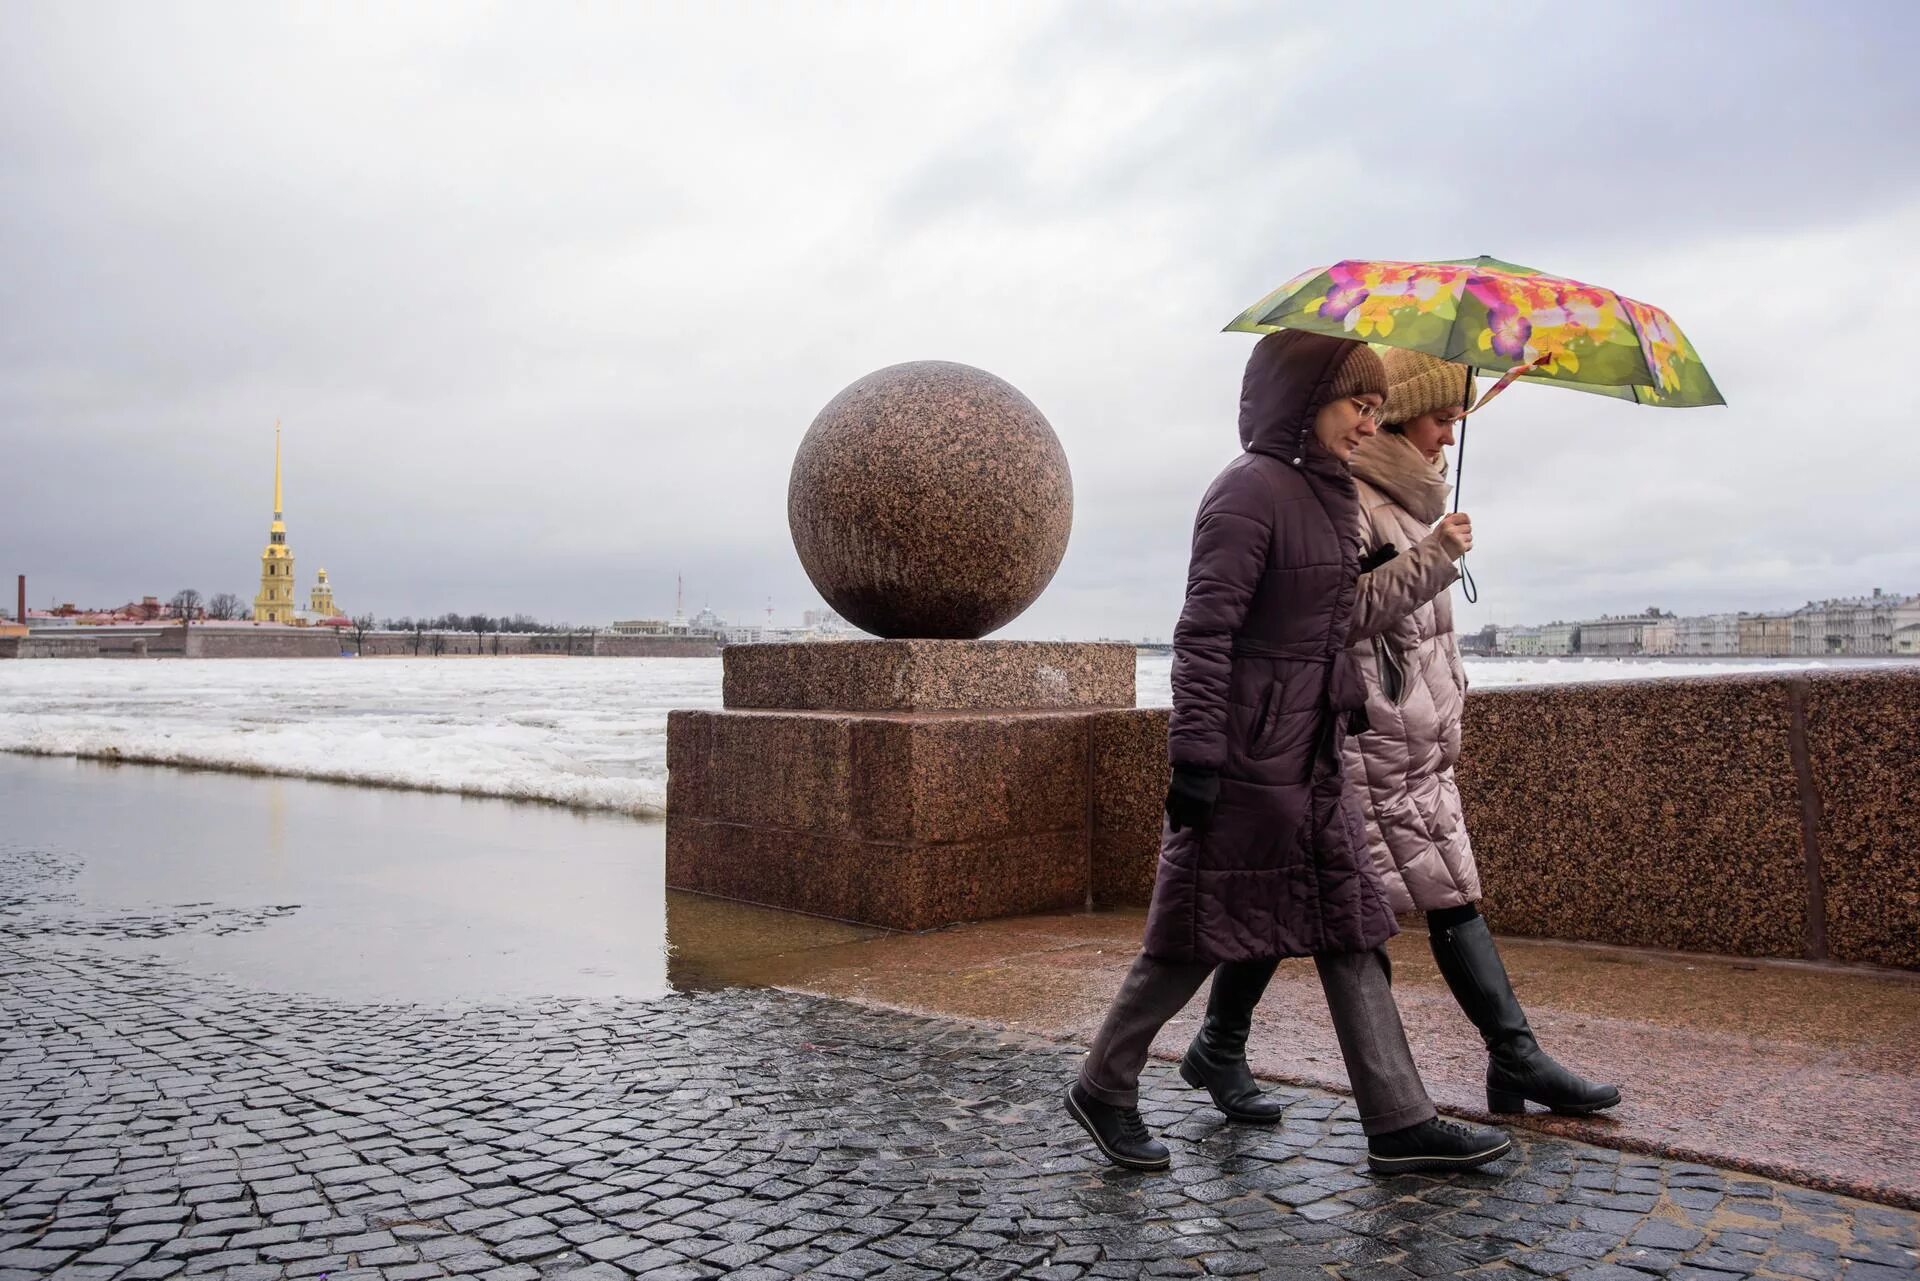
(1497, 315)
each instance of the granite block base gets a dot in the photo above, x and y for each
(896, 885)
(903, 820)
(903, 784)
(928, 675)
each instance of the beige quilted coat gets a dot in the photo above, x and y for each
(1402, 767)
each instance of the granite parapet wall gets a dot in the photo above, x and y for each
(247, 642)
(56, 646)
(396, 644)
(1750, 815)
(1863, 756)
(1658, 814)
(611, 645)
(546, 644)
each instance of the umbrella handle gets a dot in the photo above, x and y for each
(1460, 465)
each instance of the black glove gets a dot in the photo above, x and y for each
(1378, 557)
(1190, 798)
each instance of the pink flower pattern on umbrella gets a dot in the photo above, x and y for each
(1348, 292)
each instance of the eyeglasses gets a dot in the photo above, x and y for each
(1368, 409)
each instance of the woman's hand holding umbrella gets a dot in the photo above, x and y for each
(1455, 532)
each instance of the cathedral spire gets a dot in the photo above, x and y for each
(274, 604)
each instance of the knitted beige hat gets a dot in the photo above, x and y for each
(1420, 384)
(1361, 372)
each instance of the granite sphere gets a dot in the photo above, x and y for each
(930, 500)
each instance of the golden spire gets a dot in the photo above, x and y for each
(274, 604)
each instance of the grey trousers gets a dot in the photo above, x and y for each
(1386, 1085)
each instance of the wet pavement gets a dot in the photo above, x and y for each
(157, 1123)
(1810, 1073)
(190, 1087)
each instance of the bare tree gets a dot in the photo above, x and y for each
(478, 625)
(419, 634)
(437, 643)
(186, 603)
(223, 605)
(362, 624)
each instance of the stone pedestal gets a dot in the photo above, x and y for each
(907, 784)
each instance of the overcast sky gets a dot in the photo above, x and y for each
(547, 294)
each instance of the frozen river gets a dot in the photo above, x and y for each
(576, 731)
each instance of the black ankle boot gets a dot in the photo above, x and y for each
(1517, 1068)
(1217, 1060)
(1436, 1144)
(1119, 1133)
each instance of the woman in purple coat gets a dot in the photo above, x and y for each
(1263, 854)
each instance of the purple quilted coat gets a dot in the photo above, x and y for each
(1262, 683)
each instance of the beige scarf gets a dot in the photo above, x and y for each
(1389, 462)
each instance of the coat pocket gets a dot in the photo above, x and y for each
(1393, 672)
(1260, 741)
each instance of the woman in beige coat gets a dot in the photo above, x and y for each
(1402, 767)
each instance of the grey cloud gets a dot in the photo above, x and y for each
(1628, 125)
(546, 298)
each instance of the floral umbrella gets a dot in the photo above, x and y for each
(1496, 315)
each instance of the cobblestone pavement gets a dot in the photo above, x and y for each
(155, 1123)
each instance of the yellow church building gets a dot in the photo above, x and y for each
(275, 603)
(321, 603)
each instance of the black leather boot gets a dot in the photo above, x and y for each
(1517, 1068)
(1119, 1133)
(1436, 1144)
(1217, 1060)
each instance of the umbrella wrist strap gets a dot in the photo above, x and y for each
(1506, 381)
